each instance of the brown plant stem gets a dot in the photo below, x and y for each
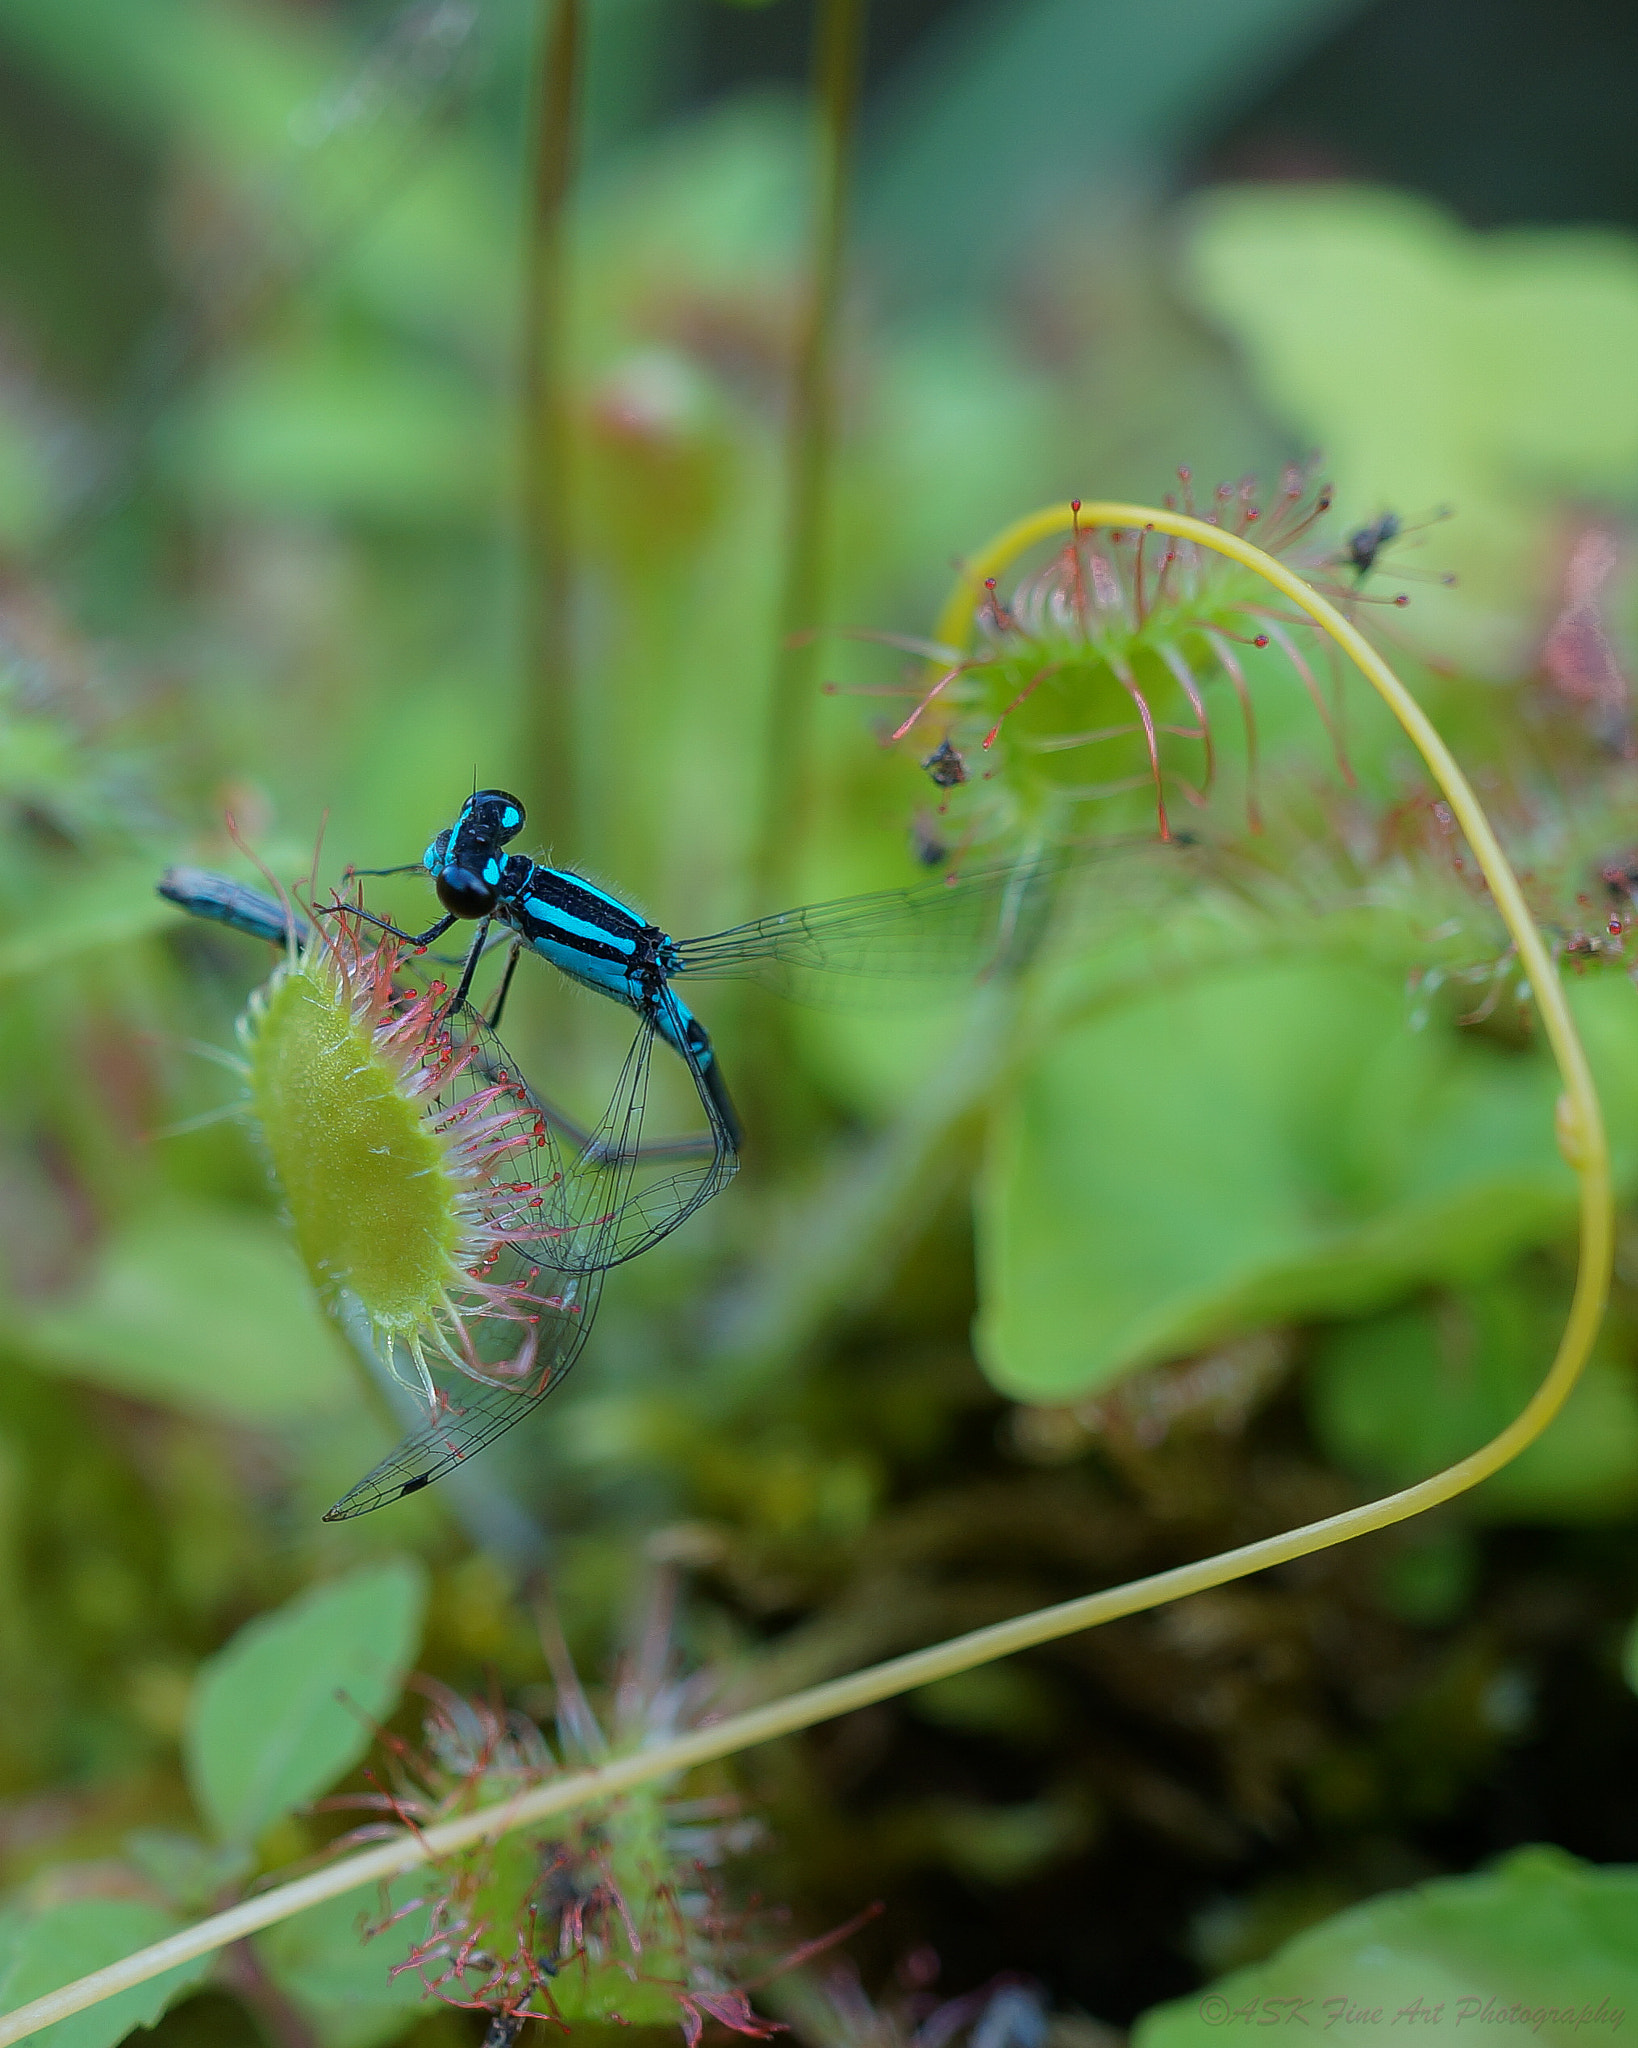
(547, 765)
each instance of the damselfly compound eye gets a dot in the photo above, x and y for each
(465, 893)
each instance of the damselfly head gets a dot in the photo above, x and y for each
(466, 861)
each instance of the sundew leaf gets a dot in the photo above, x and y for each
(1542, 1945)
(287, 1706)
(203, 1309)
(1263, 1144)
(40, 1952)
(1397, 1397)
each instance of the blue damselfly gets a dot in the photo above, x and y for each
(981, 920)
(584, 1199)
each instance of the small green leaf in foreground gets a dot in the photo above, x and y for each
(344, 1982)
(41, 1952)
(268, 1728)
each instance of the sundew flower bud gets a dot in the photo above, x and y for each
(608, 1914)
(405, 1166)
(1094, 681)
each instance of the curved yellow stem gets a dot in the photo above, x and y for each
(1581, 1135)
(1581, 1138)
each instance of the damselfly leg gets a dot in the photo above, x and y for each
(218, 899)
(604, 1196)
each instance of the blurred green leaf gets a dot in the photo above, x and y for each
(1066, 94)
(268, 1726)
(1244, 1149)
(189, 1871)
(117, 903)
(1434, 366)
(30, 483)
(354, 431)
(40, 1952)
(1429, 1577)
(1553, 1937)
(252, 94)
(345, 1982)
(203, 1309)
(1005, 1845)
(1397, 1397)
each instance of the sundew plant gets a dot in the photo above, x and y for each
(1127, 1491)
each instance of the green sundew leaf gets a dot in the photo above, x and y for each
(202, 1309)
(1399, 1396)
(1243, 1149)
(343, 1981)
(266, 1728)
(41, 1952)
(1542, 1945)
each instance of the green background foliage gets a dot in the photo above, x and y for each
(1241, 1205)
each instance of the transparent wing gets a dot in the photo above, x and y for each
(473, 1413)
(970, 922)
(602, 1196)
(594, 1205)
(221, 900)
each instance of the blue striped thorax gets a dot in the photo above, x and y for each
(582, 930)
